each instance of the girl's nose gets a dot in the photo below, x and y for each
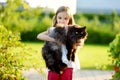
(62, 21)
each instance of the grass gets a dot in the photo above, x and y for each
(90, 56)
(95, 57)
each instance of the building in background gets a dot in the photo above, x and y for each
(98, 6)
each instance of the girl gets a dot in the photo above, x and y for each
(64, 17)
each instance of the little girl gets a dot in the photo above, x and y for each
(64, 17)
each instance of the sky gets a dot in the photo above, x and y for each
(54, 4)
(3, 0)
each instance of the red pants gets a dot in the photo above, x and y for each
(66, 75)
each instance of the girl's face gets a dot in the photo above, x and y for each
(62, 18)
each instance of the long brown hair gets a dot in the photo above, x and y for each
(63, 9)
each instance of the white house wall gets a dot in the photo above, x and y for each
(98, 6)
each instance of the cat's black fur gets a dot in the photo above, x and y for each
(51, 51)
(75, 37)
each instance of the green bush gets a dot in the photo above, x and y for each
(99, 36)
(15, 56)
(40, 26)
(115, 55)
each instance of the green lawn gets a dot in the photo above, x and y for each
(94, 57)
(90, 56)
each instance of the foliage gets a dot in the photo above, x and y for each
(40, 26)
(15, 56)
(115, 55)
(115, 21)
(16, 17)
(43, 25)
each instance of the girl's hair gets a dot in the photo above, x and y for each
(63, 9)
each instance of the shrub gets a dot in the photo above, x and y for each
(40, 26)
(100, 36)
(15, 56)
(115, 55)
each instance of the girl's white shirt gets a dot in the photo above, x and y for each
(71, 64)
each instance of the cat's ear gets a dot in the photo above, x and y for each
(84, 27)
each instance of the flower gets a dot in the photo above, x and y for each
(115, 68)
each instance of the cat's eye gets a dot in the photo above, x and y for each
(76, 32)
(81, 33)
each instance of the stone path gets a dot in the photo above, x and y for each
(79, 75)
(93, 75)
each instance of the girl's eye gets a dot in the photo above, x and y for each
(59, 18)
(66, 18)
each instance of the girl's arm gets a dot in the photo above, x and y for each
(45, 37)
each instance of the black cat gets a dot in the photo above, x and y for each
(75, 37)
(72, 38)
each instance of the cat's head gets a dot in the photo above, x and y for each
(77, 34)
